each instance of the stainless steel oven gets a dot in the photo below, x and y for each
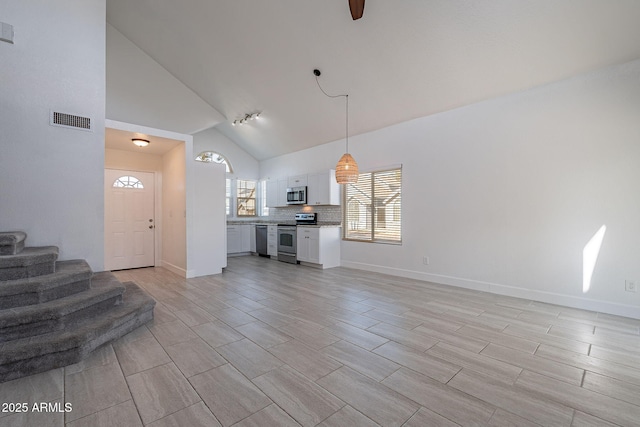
(287, 243)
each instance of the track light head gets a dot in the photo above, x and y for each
(246, 118)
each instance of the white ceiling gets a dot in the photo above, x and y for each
(404, 59)
(117, 139)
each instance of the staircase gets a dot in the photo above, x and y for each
(54, 313)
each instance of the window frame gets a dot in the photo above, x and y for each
(228, 197)
(263, 209)
(238, 188)
(207, 156)
(132, 182)
(371, 211)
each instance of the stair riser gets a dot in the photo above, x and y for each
(65, 290)
(42, 327)
(31, 298)
(12, 249)
(21, 368)
(13, 273)
(19, 300)
(129, 324)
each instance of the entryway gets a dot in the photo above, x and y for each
(129, 219)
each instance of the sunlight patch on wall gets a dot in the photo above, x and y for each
(590, 256)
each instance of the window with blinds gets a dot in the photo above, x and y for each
(373, 207)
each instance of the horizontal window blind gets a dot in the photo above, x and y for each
(373, 207)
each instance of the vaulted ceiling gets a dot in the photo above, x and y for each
(404, 59)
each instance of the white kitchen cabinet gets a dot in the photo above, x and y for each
(234, 239)
(245, 231)
(322, 188)
(282, 192)
(277, 193)
(272, 193)
(319, 246)
(272, 240)
(252, 238)
(297, 181)
(238, 238)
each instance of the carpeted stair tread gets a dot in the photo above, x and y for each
(12, 242)
(69, 277)
(18, 322)
(40, 353)
(29, 256)
(31, 262)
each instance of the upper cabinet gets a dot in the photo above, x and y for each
(297, 181)
(322, 189)
(276, 192)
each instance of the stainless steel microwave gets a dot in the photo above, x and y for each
(297, 196)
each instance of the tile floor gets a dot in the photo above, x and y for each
(272, 344)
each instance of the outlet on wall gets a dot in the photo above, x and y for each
(425, 260)
(630, 285)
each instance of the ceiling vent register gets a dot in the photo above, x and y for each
(70, 121)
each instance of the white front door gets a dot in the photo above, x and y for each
(129, 222)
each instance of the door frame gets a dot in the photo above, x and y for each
(157, 211)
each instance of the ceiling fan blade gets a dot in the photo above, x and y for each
(357, 8)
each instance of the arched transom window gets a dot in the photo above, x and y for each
(213, 157)
(127, 181)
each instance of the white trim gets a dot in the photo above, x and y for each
(494, 288)
(174, 268)
(130, 127)
(381, 168)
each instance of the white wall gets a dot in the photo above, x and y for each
(207, 249)
(174, 211)
(141, 91)
(51, 178)
(504, 195)
(129, 160)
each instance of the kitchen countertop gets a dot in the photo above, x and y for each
(263, 222)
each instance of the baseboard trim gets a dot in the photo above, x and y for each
(195, 273)
(495, 288)
(174, 268)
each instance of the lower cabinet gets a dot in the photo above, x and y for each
(319, 245)
(272, 241)
(252, 238)
(238, 238)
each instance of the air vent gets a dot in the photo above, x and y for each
(70, 121)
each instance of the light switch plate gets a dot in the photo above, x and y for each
(6, 32)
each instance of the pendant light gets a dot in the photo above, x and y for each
(347, 168)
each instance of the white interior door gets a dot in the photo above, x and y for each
(129, 222)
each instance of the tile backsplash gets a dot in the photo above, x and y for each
(325, 213)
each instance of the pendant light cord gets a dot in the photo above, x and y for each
(346, 106)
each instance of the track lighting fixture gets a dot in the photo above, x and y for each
(246, 118)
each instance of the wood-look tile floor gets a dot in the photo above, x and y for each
(273, 344)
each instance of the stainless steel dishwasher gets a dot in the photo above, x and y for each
(261, 240)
